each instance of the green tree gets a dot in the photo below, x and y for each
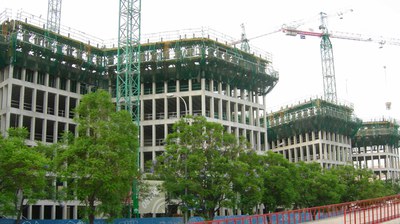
(316, 186)
(360, 184)
(200, 164)
(102, 160)
(279, 182)
(248, 181)
(22, 173)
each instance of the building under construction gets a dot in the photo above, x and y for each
(376, 147)
(320, 131)
(314, 131)
(43, 75)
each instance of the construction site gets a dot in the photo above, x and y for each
(45, 70)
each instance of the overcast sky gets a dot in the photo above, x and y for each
(360, 73)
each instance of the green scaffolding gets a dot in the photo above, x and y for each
(312, 115)
(26, 45)
(383, 132)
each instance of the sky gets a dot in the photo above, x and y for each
(367, 76)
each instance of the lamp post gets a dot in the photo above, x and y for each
(170, 95)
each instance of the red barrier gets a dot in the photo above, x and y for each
(357, 212)
(377, 213)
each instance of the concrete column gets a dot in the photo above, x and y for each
(75, 212)
(41, 211)
(21, 99)
(228, 110)
(203, 104)
(55, 132)
(258, 117)
(203, 84)
(64, 211)
(29, 212)
(67, 105)
(141, 108)
(35, 75)
(315, 152)
(190, 105)
(212, 107)
(153, 110)
(190, 85)
(45, 102)
(220, 114)
(178, 107)
(178, 86)
(236, 110)
(252, 142)
(243, 119)
(251, 116)
(166, 115)
(153, 88)
(153, 135)
(57, 105)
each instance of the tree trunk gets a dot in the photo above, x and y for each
(21, 205)
(92, 210)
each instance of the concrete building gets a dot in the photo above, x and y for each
(314, 131)
(376, 147)
(319, 131)
(44, 74)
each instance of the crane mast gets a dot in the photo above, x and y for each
(54, 15)
(244, 46)
(128, 73)
(327, 62)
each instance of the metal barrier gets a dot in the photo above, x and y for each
(357, 212)
(378, 213)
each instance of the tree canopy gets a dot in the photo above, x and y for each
(200, 164)
(22, 173)
(102, 159)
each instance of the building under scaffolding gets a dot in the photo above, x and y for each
(314, 131)
(44, 74)
(376, 147)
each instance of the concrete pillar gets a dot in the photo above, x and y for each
(67, 105)
(41, 211)
(220, 114)
(315, 152)
(29, 212)
(153, 135)
(203, 100)
(153, 110)
(166, 115)
(75, 212)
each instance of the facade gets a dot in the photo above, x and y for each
(314, 131)
(44, 74)
(376, 147)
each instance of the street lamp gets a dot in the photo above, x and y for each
(170, 95)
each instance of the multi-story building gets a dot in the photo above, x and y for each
(314, 131)
(376, 147)
(44, 74)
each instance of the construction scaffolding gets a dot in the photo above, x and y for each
(376, 147)
(312, 115)
(178, 56)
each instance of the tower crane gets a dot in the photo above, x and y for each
(128, 73)
(328, 69)
(54, 15)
